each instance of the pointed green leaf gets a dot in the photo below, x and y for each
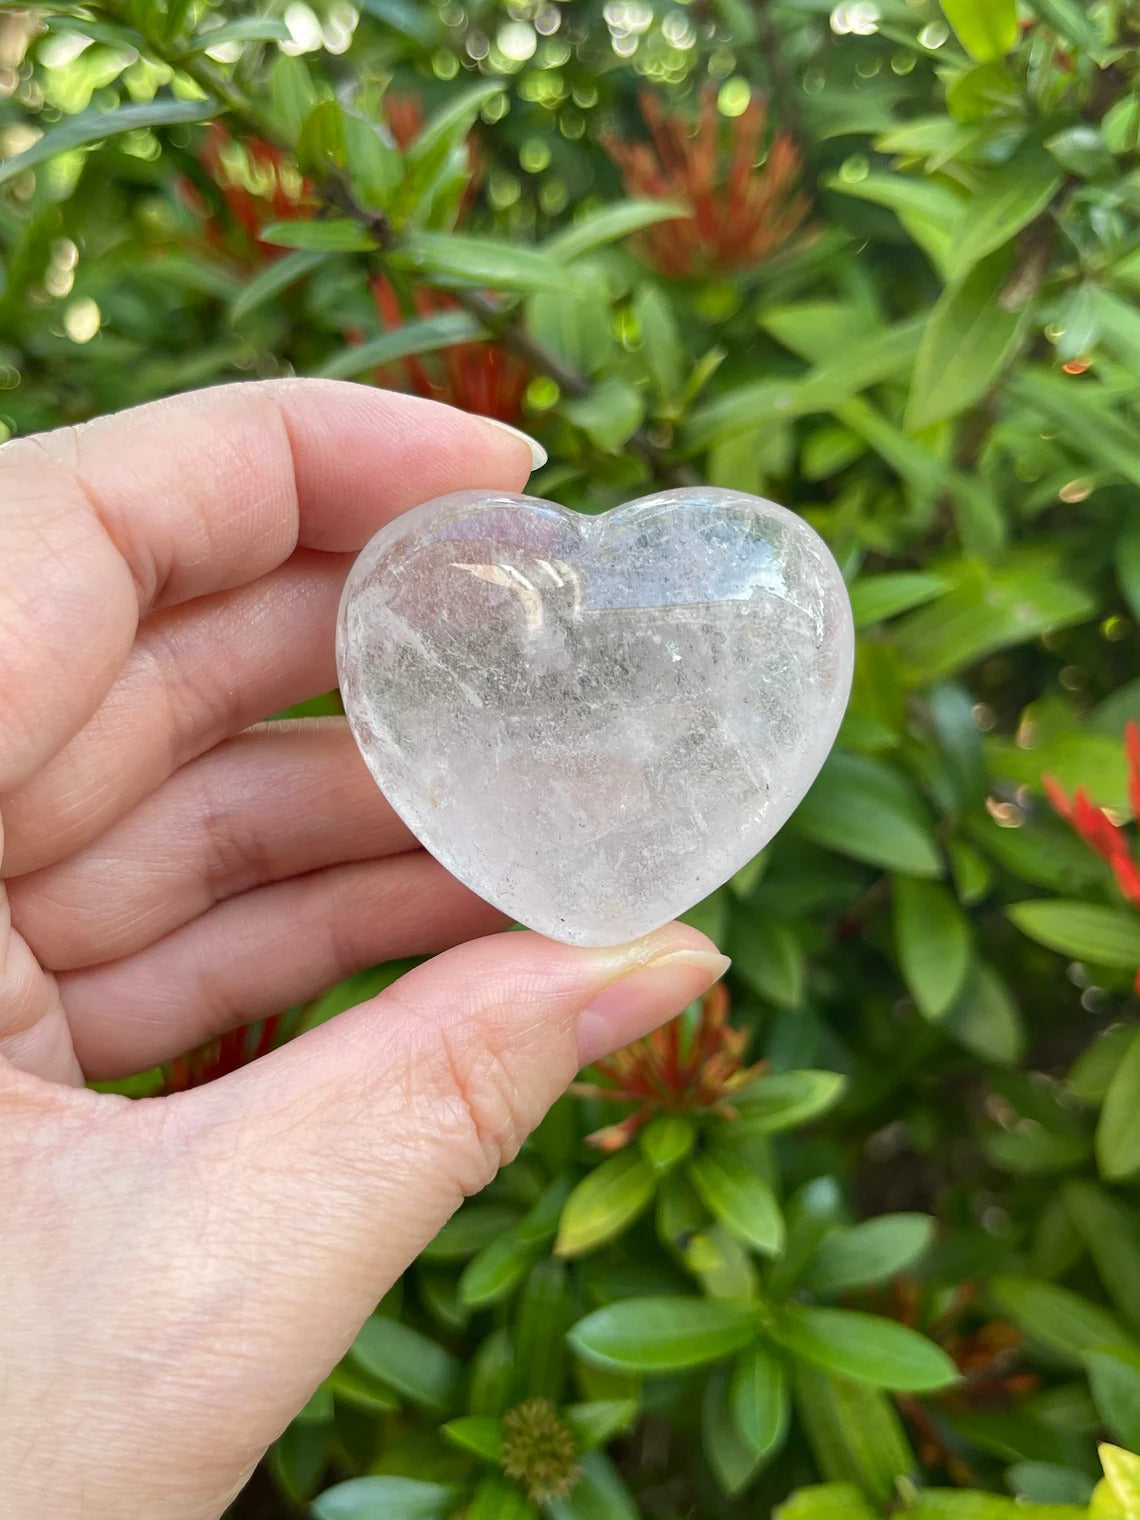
(863, 807)
(385, 1498)
(407, 1361)
(1110, 1230)
(333, 236)
(480, 1434)
(932, 937)
(1118, 1132)
(758, 1400)
(664, 1334)
(743, 1202)
(1009, 198)
(734, 1463)
(787, 1099)
(1060, 1320)
(666, 1140)
(826, 1501)
(871, 1252)
(598, 1421)
(610, 225)
(599, 1494)
(460, 260)
(1114, 1377)
(272, 280)
(875, 598)
(605, 1203)
(1084, 931)
(422, 336)
(96, 125)
(855, 1432)
(864, 1348)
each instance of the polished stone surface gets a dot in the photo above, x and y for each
(594, 721)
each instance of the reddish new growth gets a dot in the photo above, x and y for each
(1097, 829)
(258, 184)
(217, 1058)
(685, 1065)
(988, 1358)
(743, 203)
(478, 377)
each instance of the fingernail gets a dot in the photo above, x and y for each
(644, 998)
(538, 455)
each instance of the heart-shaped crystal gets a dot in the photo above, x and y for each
(594, 721)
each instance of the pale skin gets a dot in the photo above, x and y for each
(179, 1274)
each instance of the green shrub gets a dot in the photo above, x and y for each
(878, 262)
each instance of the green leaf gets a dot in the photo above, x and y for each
(787, 1099)
(1079, 323)
(864, 1348)
(661, 345)
(1122, 1477)
(1092, 1072)
(1061, 1321)
(666, 1334)
(989, 609)
(599, 1494)
(971, 334)
(930, 210)
(863, 807)
(605, 1203)
(826, 1501)
(292, 94)
(742, 1201)
(339, 236)
(497, 1499)
(1118, 1132)
(496, 1271)
(932, 937)
(1083, 931)
(545, 1311)
(1110, 1231)
(1114, 1377)
(479, 1434)
(407, 1361)
(1084, 416)
(272, 280)
(610, 414)
(423, 336)
(468, 1230)
(598, 1421)
(854, 1432)
(458, 260)
(953, 1504)
(758, 1400)
(96, 125)
(1071, 19)
(875, 598)
(609, 225)
(871, 1252)
(448, 126)
(247, 29)
(771, 960)
(1009, 198)
(385, 1498)
(734, 1463)
(985, 28)
(666, 1140)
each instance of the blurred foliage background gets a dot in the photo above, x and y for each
(861, 1234)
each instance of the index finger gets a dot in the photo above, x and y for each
(101, 523)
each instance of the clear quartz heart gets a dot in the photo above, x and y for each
(595, 721)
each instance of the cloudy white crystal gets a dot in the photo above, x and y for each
(594, 721)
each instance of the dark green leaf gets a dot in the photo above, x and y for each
(598, 1421)
(1110, 1231)
(743, 1202)
(970, 336)
(1118, 1132)
(863, 807)
(605, 1203)
(864, 1348)
(474, 1226)
(272, 280)
(421, 336)
(451, 124)
(932, 937)
(496, 1271)
(609, 225)
(479, 1434)
(459, 260)
(407, 1361)
(340, 236)
(786, 1099)
(497, 1499)
(1114, 1377)
(385, 1498)
(758, 1400)
(1084, 931)
(1009, 198)
(871, 1252)
(771, 960)
(599, 1494)
(663, 1334)
(854, 1432)
(1086, 418)
(610, 414)
(1093, 1070)
(1061, 1321)
(96, 125)
(874, 598)
(733, 1461)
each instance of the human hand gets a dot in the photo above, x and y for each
(179, 1273)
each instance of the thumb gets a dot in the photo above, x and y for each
(341, 1155)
